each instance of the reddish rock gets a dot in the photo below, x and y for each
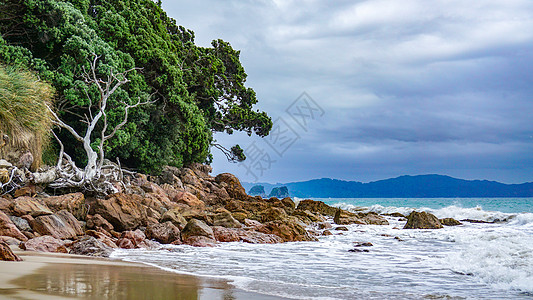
(123, 211)
(102, 237)
(223, 234)
(29, 206)
(422, 220)
(61, 225)
(326, 233)
(165, 233)
(97, 221)
(5, 205)
(10, 240)
(7, 228)
(125, 243)
(371, 218)
(196, 228)
(252, 223)
(136, 237)
(188, 199)
(223, 217)
(200, 241)
(287, 230)
(6, 254)
(45, 243)
(73, 203)
(232, 185)
(25, 191)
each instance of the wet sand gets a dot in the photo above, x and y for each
(62, 276)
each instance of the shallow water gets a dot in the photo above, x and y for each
(472, 261)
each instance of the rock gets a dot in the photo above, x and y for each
(307, 217)
(232, 185)
(125, 243)
(102, 237)
(21, 223)
(61, 225)
(30, 206)
(358, 250)
(272, 214)
(252, 223)
(97, 221)
(341, 228)
(343, 217)
(326, 233)
(73, 203)
(11, 241)
(239, 216)
(7, 228)
(476, 221)
(196, 228)
(362, 244)
(371, 218)
(5, 205)
(422, 220)
(317, 207)
(25, 161)
(450, 222)
(6, 254)
(4, 176)
(224, 218)
(395, 214)
(45, 243)
(90, 246)
(24, 191)
(123, 211)
(189, 199)
(136, 237)
(279, 192)
(174, 216)
(223, 234)
(165, 233)
(287, 230)
(200, 241)
(289, 204)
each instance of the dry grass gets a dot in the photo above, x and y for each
(24, 116)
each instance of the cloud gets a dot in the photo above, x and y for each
(408, 87)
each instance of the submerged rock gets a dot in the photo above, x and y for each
(422, 220)
(450, 222)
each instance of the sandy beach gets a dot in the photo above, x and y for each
(62, 276)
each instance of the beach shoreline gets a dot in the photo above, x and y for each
(67, 276)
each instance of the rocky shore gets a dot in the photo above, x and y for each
(181, 206)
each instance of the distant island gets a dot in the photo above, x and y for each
(420, 186)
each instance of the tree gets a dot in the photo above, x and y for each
(92, 177)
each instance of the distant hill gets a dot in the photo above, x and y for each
(421, 186)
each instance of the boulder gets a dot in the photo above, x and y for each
(10, 240)
(21, 223)
(123, 211)
(287, 230)
(136, 237)
(102, 237)
(248, 236)
(326, 233)
(200, 241)
(232, 185)
(174, 216)
(5, 205)
(188, 199)
(371, 218)
(29, 206)
(307, 217)
(224, 218)
(165, 233)
(272, 214)
(324, 225)
(90, 246)
(45, 243)
(317, 207)
(341, 228)
(239, 216)
(6, 254)
(422, 220)
(289, 204)
(61, 225)
(125, 243)
(73, 203)
(450, 222)
(7, 228)
(223, 234)
(196, 228)
(343, 217)
(97, 221)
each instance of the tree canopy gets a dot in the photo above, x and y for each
(197, 90)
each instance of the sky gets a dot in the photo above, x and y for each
(369, 90)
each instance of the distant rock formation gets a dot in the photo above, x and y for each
(257, 190)
(279, 192)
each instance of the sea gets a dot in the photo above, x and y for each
(470, 261)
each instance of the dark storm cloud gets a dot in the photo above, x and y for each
(409, 87)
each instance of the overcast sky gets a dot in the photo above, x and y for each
(394, 87)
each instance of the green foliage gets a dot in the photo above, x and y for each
(198, 90)
(24, 114)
